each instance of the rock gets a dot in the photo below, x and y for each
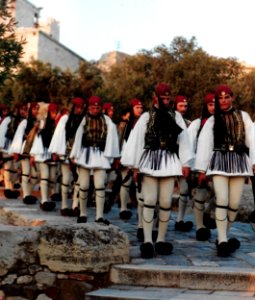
(87, 247)
(43, 297)
(9, 279)
(45, 278)
(34, 269)
(26, 279)
(18, 245)
(246, 205)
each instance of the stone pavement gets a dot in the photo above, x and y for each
(192, 271)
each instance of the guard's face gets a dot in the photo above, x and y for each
(225, 102)
(182, 107)
(53, 114)
(165, 100)
(137, 110)
(35, 111)
(211, 108)
(23, 111)
(78, 109)
(94, 110)
(110, 112)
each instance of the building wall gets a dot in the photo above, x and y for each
(50, 27)
(42, 38)
(55, 53)
(24, 13)
(30, 48)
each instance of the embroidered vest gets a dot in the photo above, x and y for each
(155, 139)
(234, 133)
(95, 132)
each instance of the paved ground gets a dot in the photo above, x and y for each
(187, 251)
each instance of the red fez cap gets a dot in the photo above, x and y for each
(222, 90)
(95, 100)
(107, 105)
(3, 106)
(209, 98)
(163, 89)
(64, 111)
(135, 102)
(33, 105)
(78, 101)
(53, 107)
(180, 99)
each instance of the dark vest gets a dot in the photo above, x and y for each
(157, 137)
(95, 132)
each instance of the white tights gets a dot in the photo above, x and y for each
(99, 183)
(157, 189)
(228, 191)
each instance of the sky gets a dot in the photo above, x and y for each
(222, 28)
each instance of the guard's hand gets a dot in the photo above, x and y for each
(15, 156)
(54, 157)
(135, 175)
(116, 164)
(253, 169)
(186, 172)
(201, 178)
(32, 160)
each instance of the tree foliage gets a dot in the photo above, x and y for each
(10, 48)
(186, 67)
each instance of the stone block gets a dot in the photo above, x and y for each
(87, 247)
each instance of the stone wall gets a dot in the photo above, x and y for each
(49, 50)
(58, 261)
(24, 13)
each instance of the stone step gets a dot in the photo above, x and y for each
(146, 293)
(195, 278)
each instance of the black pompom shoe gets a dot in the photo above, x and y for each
(48, 206)
(103, 221)
(29, 200)
(82, 219)
(163, 248)
(125, 214)
(203, 234)
(11, 194)
(233, 244)
(209, 222)
(147, 250)
(183, 226)
(223, 249)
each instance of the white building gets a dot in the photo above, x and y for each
(42, 39)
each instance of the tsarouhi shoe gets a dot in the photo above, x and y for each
(125, 214)
(140, 235)
(11, 194)
(208, 221)
(82, 219)
(147, 250)
(223, 249)
(56, 197)
(163, 248)
(234, 244)
(66, 212)
(102, 221)
(76, 212)
(203, 234)
(48, 205)
(29, 200)
(183, 226)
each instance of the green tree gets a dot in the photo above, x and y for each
(38, 81)
(89, 80)
(10, 48)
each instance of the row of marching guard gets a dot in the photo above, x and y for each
(152, 149)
